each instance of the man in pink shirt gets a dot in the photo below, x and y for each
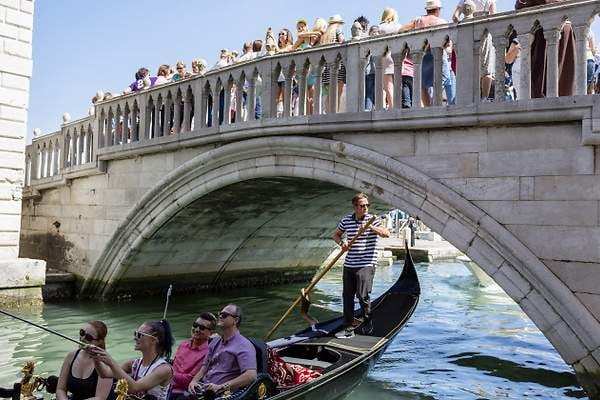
(191, 353)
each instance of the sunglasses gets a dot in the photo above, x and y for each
(83, 334)
(224, 315)
(363, 205)
(200, 327)
(138, 335)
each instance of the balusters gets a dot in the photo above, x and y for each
(552, 37)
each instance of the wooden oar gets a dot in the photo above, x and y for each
(80, 343)
(318, 277)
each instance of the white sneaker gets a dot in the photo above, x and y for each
(346, 333)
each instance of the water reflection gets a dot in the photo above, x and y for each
(463, 342)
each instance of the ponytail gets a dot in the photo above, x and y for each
(164, 335)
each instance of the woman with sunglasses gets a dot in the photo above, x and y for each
(148, 376)
(78, 378)
(190, 354)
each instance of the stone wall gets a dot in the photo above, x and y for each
(16, 22)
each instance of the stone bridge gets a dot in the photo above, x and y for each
(152, 188)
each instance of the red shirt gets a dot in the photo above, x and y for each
(187, 363)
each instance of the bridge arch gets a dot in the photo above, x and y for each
(543, 297)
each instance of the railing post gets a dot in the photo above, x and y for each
(186, 125)
(239, 100)
(228, 88)
(355, 80)
(216, 96)
(525, 60)
(552, 37)
(135, 114)
(417, 60)
(379, 94)
(581, 40)
(438, 88)
(500, 43)
(302, 91)
(398, 62)
(177, 114)
(287, 91)
(318, 101)
(166, 128)
(200, 104)
(467, 69)
(333, 87)
(269, 91)
(251, 99)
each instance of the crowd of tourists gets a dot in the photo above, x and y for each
(327, 32)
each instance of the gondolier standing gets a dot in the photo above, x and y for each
(361, 258)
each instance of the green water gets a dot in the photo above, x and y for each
(463, 342)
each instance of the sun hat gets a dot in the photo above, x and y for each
(336, 19)
(433, 4)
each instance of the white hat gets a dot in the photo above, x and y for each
(337, 18)
(433, 4)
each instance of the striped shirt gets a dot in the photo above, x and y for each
(363, 252)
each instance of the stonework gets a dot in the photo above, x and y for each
(150, 189)
(16, 22)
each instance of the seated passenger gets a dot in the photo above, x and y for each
(78, 378)
(231, 361)
(190, 354)
(149, 375)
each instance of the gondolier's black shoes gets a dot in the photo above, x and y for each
(366, 328)
(345, 333)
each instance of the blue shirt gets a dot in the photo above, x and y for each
(363, 252)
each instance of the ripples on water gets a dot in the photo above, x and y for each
(463, 342)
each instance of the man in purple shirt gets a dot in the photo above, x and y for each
(231, 360)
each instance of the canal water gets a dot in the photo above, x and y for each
(463, 342)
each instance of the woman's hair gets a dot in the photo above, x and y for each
(210, 317)
(141, 73)
(101, 332)
(320, 25)
(289, 38)
(389, 15)
(163, 70)
(257, 45)
(162, 330)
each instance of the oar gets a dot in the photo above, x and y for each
(317, 278)
(80, 343)
(167, 302)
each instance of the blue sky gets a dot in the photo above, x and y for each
(80, 46)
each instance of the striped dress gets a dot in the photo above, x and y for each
(363, 252)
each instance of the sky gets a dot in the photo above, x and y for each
(81, 46)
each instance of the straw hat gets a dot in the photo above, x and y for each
(433, 4)
(336, 19)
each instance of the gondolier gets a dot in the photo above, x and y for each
(361, 258)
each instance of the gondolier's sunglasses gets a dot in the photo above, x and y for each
(364, 205)
(200, 327)
(224, 315)
(85, 335)
(138, 335)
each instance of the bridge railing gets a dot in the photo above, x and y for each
(262, 92)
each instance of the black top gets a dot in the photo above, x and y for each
(79, 388)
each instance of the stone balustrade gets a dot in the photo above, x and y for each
(246, 95)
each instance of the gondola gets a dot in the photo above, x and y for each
(342, 362)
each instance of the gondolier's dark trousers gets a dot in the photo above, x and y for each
(357, 282)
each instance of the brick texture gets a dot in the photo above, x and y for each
(16, 23)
